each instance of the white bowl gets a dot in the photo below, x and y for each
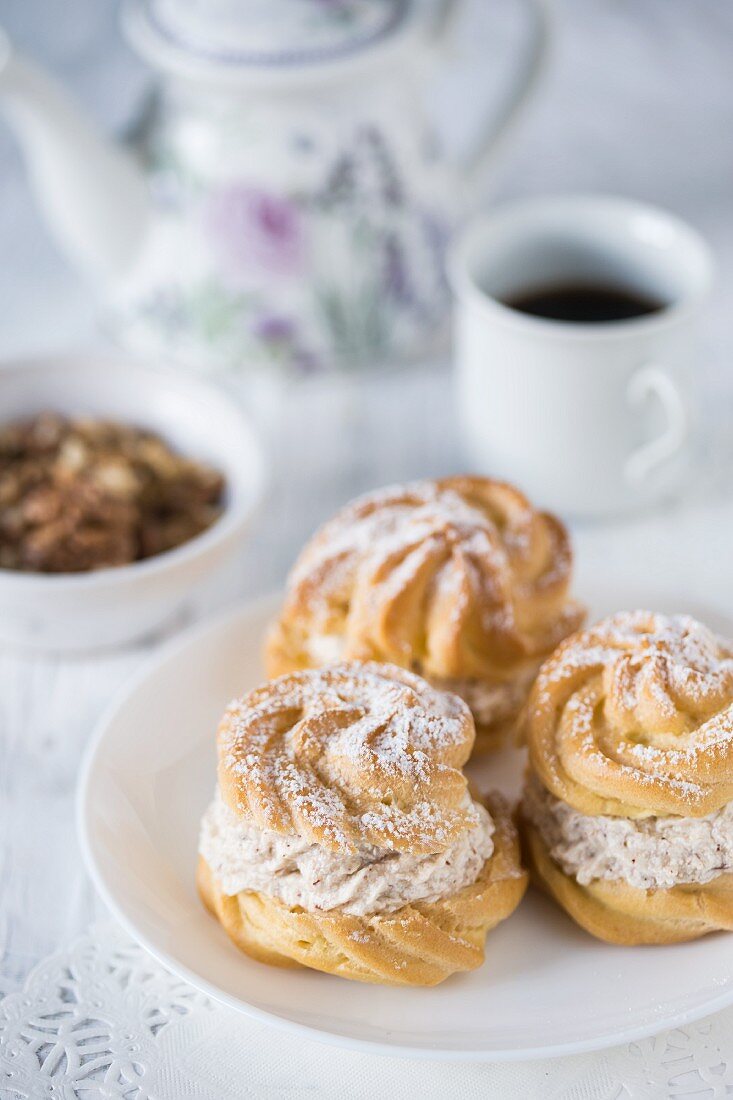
(73, 611)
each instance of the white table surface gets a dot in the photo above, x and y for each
(639, 101)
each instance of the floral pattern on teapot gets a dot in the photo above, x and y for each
(291, 205)
(342, 269)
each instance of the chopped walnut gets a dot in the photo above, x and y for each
(84, 494)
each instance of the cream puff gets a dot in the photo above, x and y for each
(343, 836)
(628, 809)
(460, 580)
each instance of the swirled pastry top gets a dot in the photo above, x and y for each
(455, 578)
(353, 755)
(634, 717)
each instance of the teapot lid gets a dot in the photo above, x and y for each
(261, 34)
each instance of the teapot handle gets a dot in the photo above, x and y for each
(530, 68)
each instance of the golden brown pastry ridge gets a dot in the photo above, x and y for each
(633, 719)
(460, 580)
(354, 754)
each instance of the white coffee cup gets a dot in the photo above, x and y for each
(587, 418)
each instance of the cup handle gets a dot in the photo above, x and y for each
(654, 382)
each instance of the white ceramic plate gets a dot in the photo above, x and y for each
(546, 988)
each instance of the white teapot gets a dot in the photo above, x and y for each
(287, 202)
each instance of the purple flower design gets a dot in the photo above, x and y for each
(255, 232)
(280, 336)
(275, 330)
(396, 276)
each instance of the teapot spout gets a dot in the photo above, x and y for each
(93, 194)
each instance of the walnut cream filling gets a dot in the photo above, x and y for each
(243, 857)
(650, 853)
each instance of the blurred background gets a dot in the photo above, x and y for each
(637, 100)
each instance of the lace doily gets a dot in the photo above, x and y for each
(103, 1020)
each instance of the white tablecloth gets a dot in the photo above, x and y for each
(639, 102)
(102, 1019)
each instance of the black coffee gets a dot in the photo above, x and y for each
(584, 303)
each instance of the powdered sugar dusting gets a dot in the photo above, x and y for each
(476, 574)
(491, 702)
(358, 753)
(638, 708)
(388, 534)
